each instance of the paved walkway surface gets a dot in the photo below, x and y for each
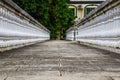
(59, 60)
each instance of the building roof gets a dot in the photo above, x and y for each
(86, 1)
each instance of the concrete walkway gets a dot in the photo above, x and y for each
(59, 60)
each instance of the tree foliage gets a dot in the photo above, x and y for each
(53, 14)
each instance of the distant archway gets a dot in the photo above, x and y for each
(89, 8)
(75, 9)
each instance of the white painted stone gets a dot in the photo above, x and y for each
(18, 32)
(103, 30)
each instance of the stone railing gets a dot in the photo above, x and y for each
(100, 27)
(17, 28)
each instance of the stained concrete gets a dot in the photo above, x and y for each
(59, 60)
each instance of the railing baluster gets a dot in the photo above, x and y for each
(16, 29)
(102, 30)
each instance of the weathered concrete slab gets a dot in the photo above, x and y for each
(59, 60)
(58, 78)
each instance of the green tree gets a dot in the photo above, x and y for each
(53, 14)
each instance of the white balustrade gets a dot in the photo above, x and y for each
(17, 31)
(70, 35)
(103, 30)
